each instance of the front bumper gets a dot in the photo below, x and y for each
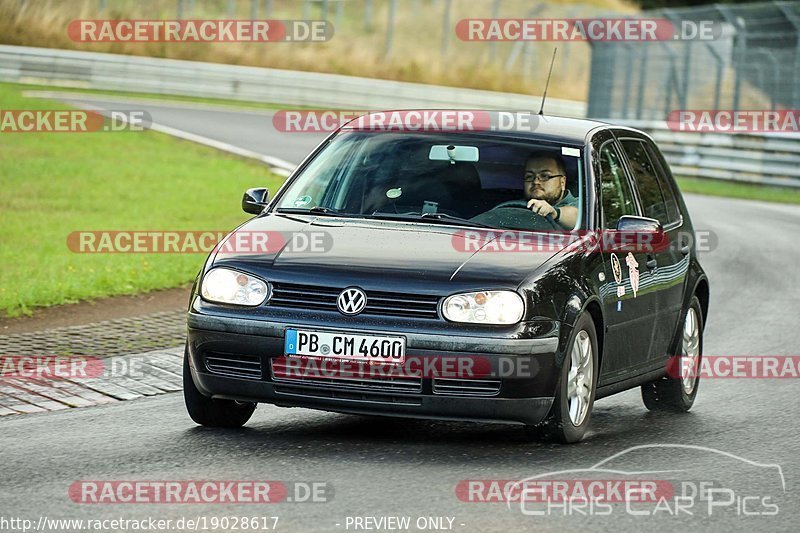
(524, 372)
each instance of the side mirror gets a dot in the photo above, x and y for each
(640, 234)
(639, 224)
(255, 200)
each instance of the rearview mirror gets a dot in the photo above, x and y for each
(255, 200)
(443, 152)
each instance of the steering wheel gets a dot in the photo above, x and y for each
(516, 215)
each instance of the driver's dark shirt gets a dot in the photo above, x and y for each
(567, 201)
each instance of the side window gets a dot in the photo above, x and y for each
(617, 197)
(673, 212)
(644, 175)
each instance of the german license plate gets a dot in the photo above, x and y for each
(371, 348)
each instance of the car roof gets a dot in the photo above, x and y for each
(562, 129)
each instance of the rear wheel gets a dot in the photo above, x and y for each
(212, 412)
(569, 417)
(677, 390)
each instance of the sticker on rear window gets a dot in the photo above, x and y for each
(573, 152)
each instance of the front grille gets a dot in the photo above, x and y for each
(227, 364)
(466, 387)
(378, 303)
(283, 373)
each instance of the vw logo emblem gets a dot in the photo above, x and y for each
(351, 301)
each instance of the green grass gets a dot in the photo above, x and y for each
(764, 193)
(57, 183)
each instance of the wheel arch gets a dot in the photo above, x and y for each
(580, 304)
(595, 311)
(701, 290)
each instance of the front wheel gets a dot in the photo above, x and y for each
(569, 417)
(212, 412)
(677, 390)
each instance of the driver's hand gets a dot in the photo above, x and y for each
(541, 207)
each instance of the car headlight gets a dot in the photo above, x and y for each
(232, 287)
(486, 307)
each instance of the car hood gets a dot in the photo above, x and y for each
(355, 250)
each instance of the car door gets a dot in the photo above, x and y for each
(666, 266)
(629, 314)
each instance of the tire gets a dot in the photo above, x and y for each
(211, 412)
(674, 393)
(569, 417)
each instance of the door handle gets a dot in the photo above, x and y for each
(652, 263)
(685, 249)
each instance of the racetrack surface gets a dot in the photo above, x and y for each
(245, 128)
(396, 467)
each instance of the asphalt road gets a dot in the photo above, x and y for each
(385, 467)
(249, 129)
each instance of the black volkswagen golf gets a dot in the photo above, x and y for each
(481, 275)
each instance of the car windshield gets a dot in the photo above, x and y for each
(458, 178)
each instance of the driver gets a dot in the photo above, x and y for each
(546, 190)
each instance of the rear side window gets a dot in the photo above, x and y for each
(617, 196)
(651, 189)
(673, 212)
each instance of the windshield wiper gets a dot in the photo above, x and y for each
(455, 219)
(443, 218)
(430, 217)
(316, 210)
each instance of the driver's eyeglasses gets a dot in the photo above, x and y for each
(544, 177)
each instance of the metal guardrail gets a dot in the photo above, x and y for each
(212, 80)
(772, 159)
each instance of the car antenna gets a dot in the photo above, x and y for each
(547, 83)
